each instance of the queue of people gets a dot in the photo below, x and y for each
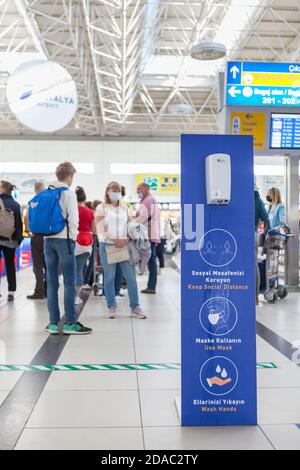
(125, 241)
(67, 248)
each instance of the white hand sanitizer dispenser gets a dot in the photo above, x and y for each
(218, 178)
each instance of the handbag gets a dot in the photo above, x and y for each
(116, 255)
(7, 222)
(85, 239)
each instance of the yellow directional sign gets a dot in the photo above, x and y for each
(271, 79)
(250, 124)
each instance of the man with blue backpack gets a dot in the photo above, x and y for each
(54, 214)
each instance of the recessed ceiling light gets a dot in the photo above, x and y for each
(180, 108)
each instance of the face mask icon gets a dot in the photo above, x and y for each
(218, 316)
(216, 312)
(213, 318)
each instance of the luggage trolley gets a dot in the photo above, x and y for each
(275, 243)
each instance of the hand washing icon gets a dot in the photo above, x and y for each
(219, 376)
(220, 382)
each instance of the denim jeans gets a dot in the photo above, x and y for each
(57, 252)
(152, 266)
(160, 253)
(81, 261)
(109, 280)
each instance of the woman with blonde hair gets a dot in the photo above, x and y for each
(277, 209)
(112, 229)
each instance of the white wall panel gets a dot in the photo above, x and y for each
(101, 154)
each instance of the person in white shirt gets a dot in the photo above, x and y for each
(60, 250)
(112, 219)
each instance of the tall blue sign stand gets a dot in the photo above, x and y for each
(218, 288)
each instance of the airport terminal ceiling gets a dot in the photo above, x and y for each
(131, 58)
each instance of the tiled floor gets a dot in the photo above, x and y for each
(135, 410)
(3, 395)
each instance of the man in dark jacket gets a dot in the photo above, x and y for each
(8, 247)
(38, 257)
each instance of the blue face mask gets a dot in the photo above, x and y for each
(115, 197)
(140, 195)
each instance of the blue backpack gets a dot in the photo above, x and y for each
(45, 214)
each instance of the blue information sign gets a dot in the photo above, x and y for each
(263, 84)
(218, 288)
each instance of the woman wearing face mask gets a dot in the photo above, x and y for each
(112, 220)
(277, 209)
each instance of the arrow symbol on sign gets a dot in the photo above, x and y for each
(234, 71)
(233, 92)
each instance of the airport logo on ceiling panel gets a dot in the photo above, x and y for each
(42, 95)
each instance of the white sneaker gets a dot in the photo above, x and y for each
(138, 313)
(112, 312)
(122, 293)
(86, 287)
(78, 301)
